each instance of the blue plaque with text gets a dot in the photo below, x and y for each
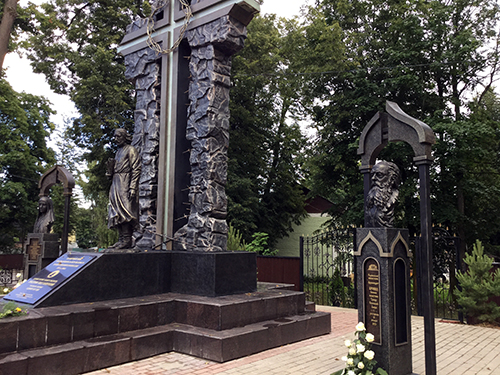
(51, 277)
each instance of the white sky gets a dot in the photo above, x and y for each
(22, 78)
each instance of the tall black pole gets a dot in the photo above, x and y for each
(426, 252)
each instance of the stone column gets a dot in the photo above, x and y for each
(383, 281)
(208, 131)
(143, 70)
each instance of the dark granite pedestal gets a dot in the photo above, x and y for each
(78, 338)
(90, 277)
(105, 309)
(383, 280)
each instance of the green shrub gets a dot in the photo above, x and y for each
(339, 294)
(478, 285)
(259, 245)
(235, 240)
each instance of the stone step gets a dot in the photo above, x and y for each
(310, 306)
(65, 324)
(215, 345)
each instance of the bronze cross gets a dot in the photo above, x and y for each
(34, 249)
(174, 75)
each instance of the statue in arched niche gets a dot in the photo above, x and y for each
(381, 199)
(45, 217)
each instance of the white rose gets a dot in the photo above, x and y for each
(350, 361)
(350, 372)
(360, 327)
(369, 355)
(347, 343)
(361, 348)
(344, 358)
(6, 290)
(361, 365)
(370, 337)
(352, 351)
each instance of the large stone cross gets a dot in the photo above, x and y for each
(182, 119)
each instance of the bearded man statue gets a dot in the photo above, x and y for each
(381, 199)
(124, 171)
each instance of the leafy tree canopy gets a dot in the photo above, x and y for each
(431, 58)
(24, 156)
(267, 103)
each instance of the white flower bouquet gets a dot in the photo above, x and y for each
(360, 359)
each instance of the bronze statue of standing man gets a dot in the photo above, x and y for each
(124, 170)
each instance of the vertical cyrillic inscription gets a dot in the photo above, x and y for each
(372, 298)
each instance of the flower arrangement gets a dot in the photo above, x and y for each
(7, 290)
(360, 359)
(10, 309)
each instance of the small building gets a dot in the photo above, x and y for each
(316, 208)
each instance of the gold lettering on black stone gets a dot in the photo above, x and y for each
(372, 298)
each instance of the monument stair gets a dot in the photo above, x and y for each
(79, 338)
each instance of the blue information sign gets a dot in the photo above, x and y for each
(55, 274)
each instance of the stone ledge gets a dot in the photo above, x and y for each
(70, 323)
(220, 346)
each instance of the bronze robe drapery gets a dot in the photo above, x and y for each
(126, 173)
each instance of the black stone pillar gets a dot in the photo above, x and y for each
(41, 249)
(143, 70)
(383, 295)
(208, 131)
(426, 266)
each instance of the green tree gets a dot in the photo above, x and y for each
(478, 285)
(74, 46)
(85, 230)
(266, 147)
(14, 21)
(428, 57)
(24, 156)
(98, 212)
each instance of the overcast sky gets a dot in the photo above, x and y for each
(21, 77)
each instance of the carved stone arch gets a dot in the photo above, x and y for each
(396, 126)
(56, 174)
(59, 174)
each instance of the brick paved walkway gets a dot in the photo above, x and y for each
(461, 350)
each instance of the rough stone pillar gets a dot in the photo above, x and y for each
(208, 131)
(143, 70)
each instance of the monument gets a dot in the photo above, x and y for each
(182, 118)
(42, 246)
(123, 211)
(180, 289)
(383, 274)
(382, 255)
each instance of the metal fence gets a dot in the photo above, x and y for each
(328, 270)
(328, 267)
(446, 262)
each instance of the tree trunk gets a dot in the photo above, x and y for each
(8, 18)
